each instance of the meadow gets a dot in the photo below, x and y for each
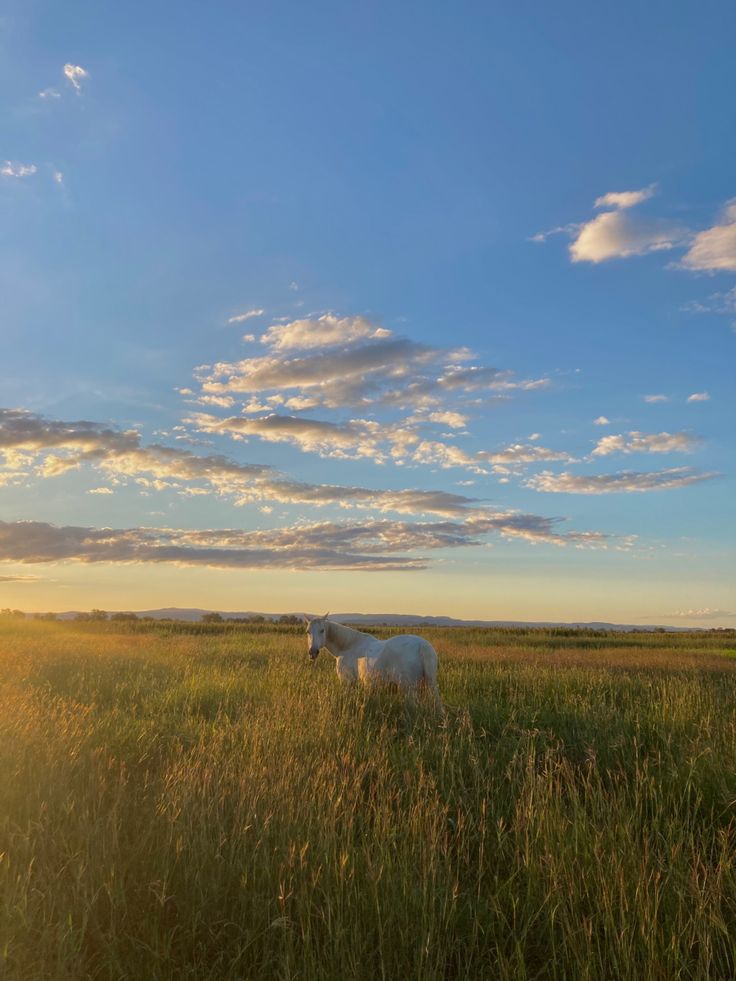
(195, 802)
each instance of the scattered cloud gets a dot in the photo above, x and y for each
(47, 448)
(707, 613)
(49, 93)
(636, 442)
(33, 446)
(714, 249)
(76, 75)
(699, 397)
(601, 421)
(614, 483)
(621, 231)
(723, 303)
(239, 318)
(13, 168)
(329, 363)
(58, 177)
(20, 579)
(514, 458)
(656, 398)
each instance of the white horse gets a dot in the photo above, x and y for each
(408, 661)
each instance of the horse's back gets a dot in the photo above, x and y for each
(409, 659)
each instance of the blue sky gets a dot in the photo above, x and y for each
(370, 307)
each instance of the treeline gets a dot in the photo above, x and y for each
(102, 616)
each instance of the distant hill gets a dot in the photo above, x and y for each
(393, 620)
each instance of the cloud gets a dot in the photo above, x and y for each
(246, 315)
(614, 483)
(601, 421)
(721, 303)
(350, 361)
(621, 232)
(100, 490)
(656, 398)
(637, 442)
(699, 397)
(515, 457)
(714, 249)
(76, 75)
(472, 378)
(321, 332)
(371, 544)
(36, 542)
(58, 177)
(356, 438)
(12, 168)
(20, 579)
(353, 367)
(707, 613)
(49, 93)
(570, 229)
(618, 235)
(329, 362)
(368, 439)
(455, 420)
(624, 199)
(33, 445)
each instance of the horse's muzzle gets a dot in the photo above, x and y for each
(313, 652)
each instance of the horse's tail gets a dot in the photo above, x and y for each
(429, 667)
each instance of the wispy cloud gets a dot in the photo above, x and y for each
(625, 482)
(601, 421)
(653, 399)
(239, 318)
(699, 397)
(636, 442)
(76, 75)
(13, 168)
(49, 93)
(723, 303)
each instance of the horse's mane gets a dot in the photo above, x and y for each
(344, 636)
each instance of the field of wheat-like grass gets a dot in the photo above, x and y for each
(194, 802)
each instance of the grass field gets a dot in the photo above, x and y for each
(182, 801)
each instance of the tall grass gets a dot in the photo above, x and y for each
(186, 803)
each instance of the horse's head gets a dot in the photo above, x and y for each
(316, 636)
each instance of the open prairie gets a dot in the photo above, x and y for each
(189, 801)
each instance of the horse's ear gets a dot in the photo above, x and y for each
(326, 615)
(305, 618)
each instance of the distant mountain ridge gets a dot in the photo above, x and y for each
(194, 614)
